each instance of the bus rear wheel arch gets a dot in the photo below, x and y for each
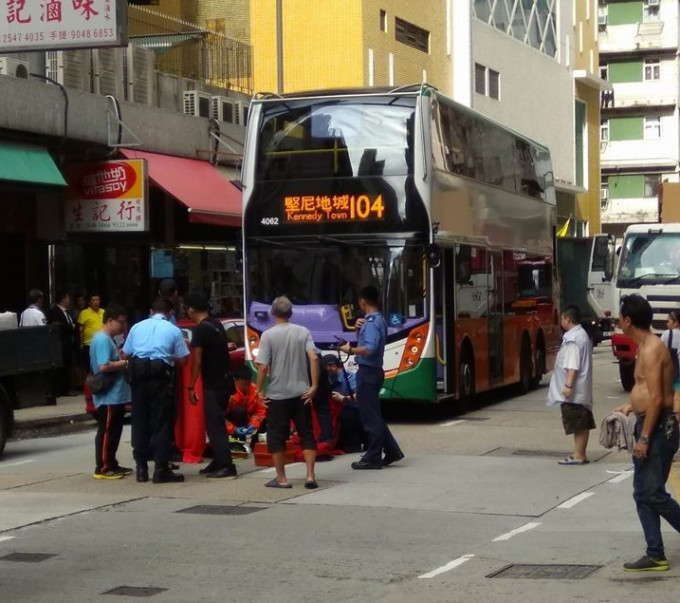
(539, 361)
(466, 378)
(525, 365)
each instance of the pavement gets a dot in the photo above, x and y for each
(67, 416)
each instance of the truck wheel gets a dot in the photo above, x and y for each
(5, 418)
(627, 374)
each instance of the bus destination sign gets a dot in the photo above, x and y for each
(333, 208)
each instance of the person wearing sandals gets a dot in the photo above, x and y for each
(571, 385)
(671, 339)
(288, 355)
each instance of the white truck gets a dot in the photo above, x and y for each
(649, 265)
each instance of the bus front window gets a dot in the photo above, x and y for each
(335, 276)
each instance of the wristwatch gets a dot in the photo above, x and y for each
(644, 439)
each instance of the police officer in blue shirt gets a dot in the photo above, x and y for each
(370, 376)
(153, 347)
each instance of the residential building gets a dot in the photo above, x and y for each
(639, 128)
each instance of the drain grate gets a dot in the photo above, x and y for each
(27, 557)
(220, 510)
(545, 572)
(135, 591)
(559, 453)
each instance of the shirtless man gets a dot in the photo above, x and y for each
(656, 432)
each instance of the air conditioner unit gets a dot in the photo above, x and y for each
(141, 72)
(223, 109)
(14, 67)
(70, 68)
(602, 19)
(196, 103)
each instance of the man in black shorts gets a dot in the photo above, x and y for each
(571, 385)
(211, 361)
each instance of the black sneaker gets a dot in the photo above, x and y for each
(209, 468)
(228, 471)
(392, 458)
(646, 564)
(123, 470)
(367, 465)
(166, 476)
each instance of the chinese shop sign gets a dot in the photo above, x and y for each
(60, 24)
(108, 196)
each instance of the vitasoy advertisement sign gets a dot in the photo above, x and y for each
(107, 196)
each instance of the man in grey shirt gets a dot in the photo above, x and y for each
(288, 354)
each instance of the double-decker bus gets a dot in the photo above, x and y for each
(450, 215)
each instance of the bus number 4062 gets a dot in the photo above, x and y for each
(269, 221)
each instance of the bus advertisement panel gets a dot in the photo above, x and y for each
(342, 190)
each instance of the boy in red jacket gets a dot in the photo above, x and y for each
(246, 413)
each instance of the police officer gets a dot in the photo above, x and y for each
(370, 376)
(154, 346)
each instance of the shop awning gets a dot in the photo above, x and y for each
(209, 197)
(28, 164)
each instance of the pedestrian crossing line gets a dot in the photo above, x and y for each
(674, 480)
(525, 528)
(446, 568)
(622, 476)
(574, 500)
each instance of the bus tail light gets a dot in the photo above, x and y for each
(415, 344)
(253, 343)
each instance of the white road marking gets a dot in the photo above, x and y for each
(622, 475)
(2, 465)
(572, 502)
(449, 566)
(451, 423)
(525, 528)
(6, 538)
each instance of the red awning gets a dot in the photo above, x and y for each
(209, 196)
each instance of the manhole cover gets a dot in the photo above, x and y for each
(135, 591)
(545, 572)
(559, 453)
(220, 510)
(27, 557)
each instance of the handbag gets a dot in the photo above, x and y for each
(100, 383)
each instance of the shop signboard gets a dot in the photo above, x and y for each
(107, 196)
(61, 24)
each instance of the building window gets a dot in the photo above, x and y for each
(480, 79)
(652, 182)
(652, 69)
(383, 20)
(602, 14)
(604, 193)
(604, 71)
(650, 12)
(652, 128)
(604, 130)
(494, 84)
(411, 35)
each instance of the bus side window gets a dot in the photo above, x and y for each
(463, 264)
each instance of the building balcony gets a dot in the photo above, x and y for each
(655, 93)
(623, 39)
(630, 211)
(637, 155)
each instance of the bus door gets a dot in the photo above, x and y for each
(444, 322)
(495, 315)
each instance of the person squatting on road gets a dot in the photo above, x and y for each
(288, 354)
(656, 432)
(109, 403)
(370, 376)
(246, 415)
(153, 347)
(211, 361)
(571, 385)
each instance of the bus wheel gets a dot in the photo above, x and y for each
(539, 365)
(627, 374)
(525, 379)
(466, 375)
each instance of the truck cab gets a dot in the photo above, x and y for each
(649, 266)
